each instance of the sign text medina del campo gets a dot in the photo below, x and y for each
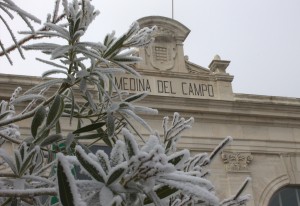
(163, 86)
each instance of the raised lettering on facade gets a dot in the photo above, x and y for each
(170, 87)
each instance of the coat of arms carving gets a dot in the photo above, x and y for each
(162, 52)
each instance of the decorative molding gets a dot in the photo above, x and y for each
(271, 187)
(236, 161)
(166, 25)
(161, 31)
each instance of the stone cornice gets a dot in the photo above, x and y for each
(243, 104)
(266, 99)
(250, 108)
(256, 146)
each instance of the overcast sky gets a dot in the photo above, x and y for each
(261, 38)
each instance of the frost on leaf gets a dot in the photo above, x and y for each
(172, 134)
(151, 143)
(68, 192)
(116, 155)
(131, 144)
(106, 196)
(90, 166)
(103, 160)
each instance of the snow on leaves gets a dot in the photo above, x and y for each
(68, 192)
(149, 168)
(49, 163)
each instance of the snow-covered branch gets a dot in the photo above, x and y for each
(28, 192)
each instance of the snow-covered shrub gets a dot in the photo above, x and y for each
(7, 8)
(42, 170)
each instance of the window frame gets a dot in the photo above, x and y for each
(278, 195)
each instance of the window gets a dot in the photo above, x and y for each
(287, 196)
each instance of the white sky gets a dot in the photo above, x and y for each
(260, 37)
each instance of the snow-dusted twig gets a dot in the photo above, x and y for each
(19, 117)
(28, 192)
(29, 37)
(37, 178)
(10, 139)
(8, 175)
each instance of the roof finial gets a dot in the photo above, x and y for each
(217, 57)
(218, 66)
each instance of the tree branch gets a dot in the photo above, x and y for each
(27, 115)
(8, 175)
(28, 192)
(10, 139)
(28, 38)
(19, 117)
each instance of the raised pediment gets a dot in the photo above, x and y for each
(165, 53)
(166, 71)
(166, 26)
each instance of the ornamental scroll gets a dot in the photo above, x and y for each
(236, 161)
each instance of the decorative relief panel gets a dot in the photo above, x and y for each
(236, 161)
(161, 54)
(162, 51)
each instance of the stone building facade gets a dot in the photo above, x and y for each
(266, 129)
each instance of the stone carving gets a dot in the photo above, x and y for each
(236, 161)
(161, 31)
(162, 51)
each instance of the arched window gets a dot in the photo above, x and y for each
(286, 196)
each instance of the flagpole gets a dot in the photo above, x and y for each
(172, 9)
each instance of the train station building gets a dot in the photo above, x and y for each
(265, 129)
